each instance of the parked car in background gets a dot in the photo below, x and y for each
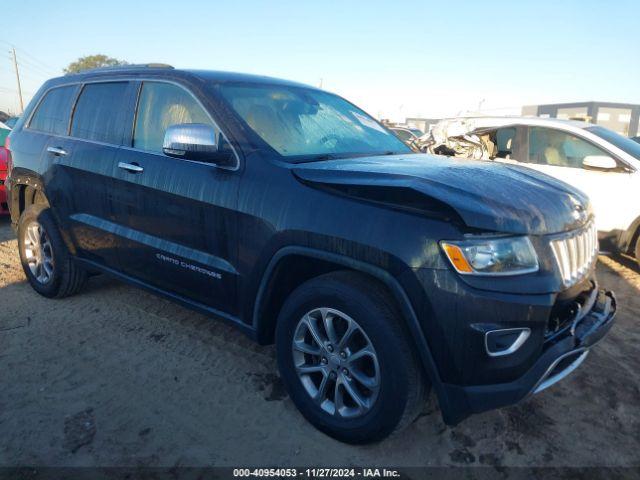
(4, 157)
(287, 211)
(598, 161)
(4, 132)
(4, 165)
(407, 135)
(11, 121)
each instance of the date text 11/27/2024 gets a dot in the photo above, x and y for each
(317, 472)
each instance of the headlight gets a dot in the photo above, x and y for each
(492, 256)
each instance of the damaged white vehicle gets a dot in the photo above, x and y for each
(598, 161)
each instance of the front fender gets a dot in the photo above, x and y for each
(399, 294)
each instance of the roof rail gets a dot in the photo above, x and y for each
(127, 66)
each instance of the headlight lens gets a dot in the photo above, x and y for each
(492, 256)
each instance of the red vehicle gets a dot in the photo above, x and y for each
(4, 161)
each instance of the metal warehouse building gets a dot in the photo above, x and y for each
(619, 117)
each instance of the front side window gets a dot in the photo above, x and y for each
(559, 149)
(160, 106)
(404, 135)
(100, 112)
(299, 123)
(52, 115)
(505, 142)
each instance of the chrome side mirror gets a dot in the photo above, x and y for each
(195, 141)
(599, 162)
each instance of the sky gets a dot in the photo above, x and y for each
(395, 59)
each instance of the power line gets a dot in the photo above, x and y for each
(29, 77)
(31, 69)
(27, 57)
(33, 59)
(13, 90)
(29, 72)
(37, 68)
(21, 64)
(33, 75)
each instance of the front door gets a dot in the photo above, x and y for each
(181, 223)
(561, 155)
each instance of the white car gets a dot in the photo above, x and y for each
(406, 134)
(601, 163)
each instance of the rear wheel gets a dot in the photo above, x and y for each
(44, 256)
(346, 360)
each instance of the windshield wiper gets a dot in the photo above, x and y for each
(335, 156)
(320, 157)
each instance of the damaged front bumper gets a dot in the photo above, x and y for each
(561, 356)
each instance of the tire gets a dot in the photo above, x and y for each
(637, 251)
(63, 277)
(396, 386)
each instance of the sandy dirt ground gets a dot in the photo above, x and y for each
(116, 376)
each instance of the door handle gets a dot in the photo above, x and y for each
(57, 151)
(130, 167)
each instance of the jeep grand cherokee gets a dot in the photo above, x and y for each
(295, 216)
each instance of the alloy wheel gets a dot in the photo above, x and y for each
(38, 252)
(336, 363)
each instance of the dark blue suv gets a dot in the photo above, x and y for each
(295, 216)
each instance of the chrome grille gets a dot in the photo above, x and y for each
(575, 253)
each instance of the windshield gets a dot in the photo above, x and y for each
(623, 143)
(303, 124)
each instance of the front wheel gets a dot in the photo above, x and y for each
(346, 360)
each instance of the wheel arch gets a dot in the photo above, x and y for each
(26, 189)
(629, 237)
(263, 324)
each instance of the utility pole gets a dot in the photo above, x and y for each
(15, 65)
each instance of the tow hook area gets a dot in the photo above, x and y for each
(559, 369)
(587, 329)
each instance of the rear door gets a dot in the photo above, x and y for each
(181, 225)
(47, 127)
(87, 160)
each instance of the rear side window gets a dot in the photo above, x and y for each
(160, 106)
(101, 112)
(52, 115)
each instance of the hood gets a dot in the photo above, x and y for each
(487, 196)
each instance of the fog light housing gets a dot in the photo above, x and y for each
(505, 341)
